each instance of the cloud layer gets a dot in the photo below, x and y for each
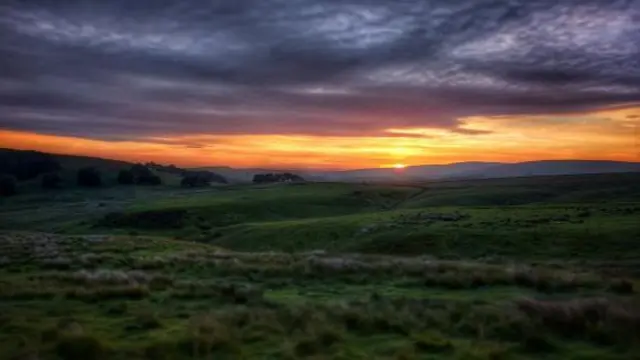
(123, 70)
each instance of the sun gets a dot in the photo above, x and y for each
(399, 166)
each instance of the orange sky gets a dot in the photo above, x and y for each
(608, 134)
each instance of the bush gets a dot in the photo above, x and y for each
(307, 347)
(535, 343)
(125, 177)
(51, 181)
(149, 180)
(89, 177)
(8, 185)
(142, 175)
(26, 165)
(80, 346)
(145, 321)
(155, 219)
(432, 343)
(201, 179)
(623, 287)
(207, 336)
(278, 177)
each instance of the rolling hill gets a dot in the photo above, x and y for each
(553, 167)
(461, 170)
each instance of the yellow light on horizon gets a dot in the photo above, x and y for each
(399, 166)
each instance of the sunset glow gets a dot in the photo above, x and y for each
(326, 85)
(599, 135)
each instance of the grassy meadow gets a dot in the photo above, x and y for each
(522, 268)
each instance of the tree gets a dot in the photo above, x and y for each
(125, 177)
(140, 170)
(51, 181)
(144, 176)
(8, 185)
(149, 180)
(26, 165)
(201, 178)
(89, 177)
(279, 177)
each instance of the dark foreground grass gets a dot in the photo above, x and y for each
(496, 269)
(103, 297)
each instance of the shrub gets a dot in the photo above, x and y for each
(278, 177)
(26, 165)
(154, 219)
(144, 176)
(89, 177)
(306, 347)
(208, 335)
(120, 308)
(329, 336)
(60, 263)
(8, 185)
(623, 287)
(146, 320)
(51, 181)
(80, 346)
(149, 180)
(537, 343)
(159, 351)
(432, 343)
(125, 177)
(111, 292)
(201, 179)
(483, 352)
(592, 319)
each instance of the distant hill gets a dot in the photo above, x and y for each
(461, 170)
(74, 162)
(553, 167)
(420, 172)
(70, 164)
(245, 175)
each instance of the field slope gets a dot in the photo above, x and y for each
(521, 268)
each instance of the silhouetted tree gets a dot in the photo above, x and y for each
(51, 181)
(281, 177)
(125, 177)
(201, 178)
(25, 165)
(149, 180)
(8, 185)
(89, 177)
(140, 170)
(191, 180)
(144, 176)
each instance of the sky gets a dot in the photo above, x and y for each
(333, 84)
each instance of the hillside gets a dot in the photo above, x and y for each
(510, 268)
(553, 167)
(68, 166)
(74, 162)
(461, 170)
(560, 212)
(421, 172)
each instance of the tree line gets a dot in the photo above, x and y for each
(17, 166)
(276, 177)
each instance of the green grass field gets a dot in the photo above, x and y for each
(523, 268)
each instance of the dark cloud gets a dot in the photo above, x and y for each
(128, 69)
